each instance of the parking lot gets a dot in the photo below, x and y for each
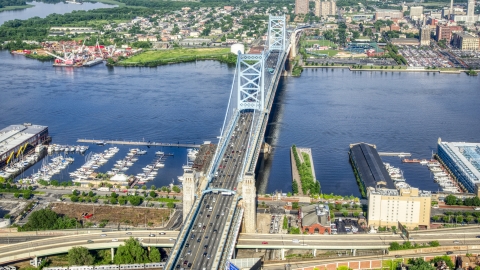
(470, 58)
(424, 57)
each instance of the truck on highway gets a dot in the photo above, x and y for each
(104, 189)
(227, 193)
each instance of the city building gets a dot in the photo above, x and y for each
(301, 6)
(315, 219)
(425, 36)
(368, 167)
(325, 8)
(465, 41)
(416, 13)
(388, 14)
(463, 161)
(409, 206)
(17, 139)
(444, 32)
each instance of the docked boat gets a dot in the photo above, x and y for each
(423, 162)
(141, 152)
(159, 153)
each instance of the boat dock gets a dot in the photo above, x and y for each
(415, 160)
(394, 154)
(142, 143)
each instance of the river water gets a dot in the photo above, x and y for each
(42, 10)
(323, 109)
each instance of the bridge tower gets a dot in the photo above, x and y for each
(249, 194)
(188, 192)
(250, 94)
(277, 28)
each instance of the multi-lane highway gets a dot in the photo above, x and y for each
(203, 239)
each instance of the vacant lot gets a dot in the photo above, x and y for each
(174, 54)
(12, 207)
(124, 215)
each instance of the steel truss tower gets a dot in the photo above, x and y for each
(250, 81)
(276, 33)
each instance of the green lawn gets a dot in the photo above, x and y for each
(319, 42)
(15, 7)
(148, 56)
(329, 52)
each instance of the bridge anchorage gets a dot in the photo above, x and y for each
(215, 204)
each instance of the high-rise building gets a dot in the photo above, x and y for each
(301, 7)
(416, 13)
(425, 36)
(409, 206)
(471, 11)
(445, 32)
(325, 8)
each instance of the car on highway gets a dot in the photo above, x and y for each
(89, 241)
(103, 235)
(456, 242)
(171, 239)
(185, 262)
(151, 235)
(114, 240)
(478, 236)
(128, 233)
(189, 265)
(449, 252)
(204, 254)
(264, 243)
(162, 233)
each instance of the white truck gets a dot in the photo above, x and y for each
(103, 189)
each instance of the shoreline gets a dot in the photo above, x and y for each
(10, 8)
(394, 70)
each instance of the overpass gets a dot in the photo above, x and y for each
(450, 239)
(212, 217)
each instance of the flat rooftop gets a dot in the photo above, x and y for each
(466, 156)
(13, 135)
(370, 167)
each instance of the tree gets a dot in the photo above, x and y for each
(16, 195)
(170, 205)
(176, 189)
(152, 187)
(79, 256)
(294, 187)
(419, 264)
(153, 194)
(27, 194)
(285, 222)
(444, 258)
(91, 194)
(434, 243)
(113, 200)
(144, 187)
(114, 195)
(131, 252)
(122, 200)
(74, 198)
(451, 200)
(154, 255)
(394, 228)
(135, 200)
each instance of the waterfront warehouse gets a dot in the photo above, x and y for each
(463, 161)
(368, 167)
(15, 139)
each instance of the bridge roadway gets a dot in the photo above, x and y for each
(61, 244)
(202, 241)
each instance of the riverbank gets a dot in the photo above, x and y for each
(8, 8)
(109, 2)
(396, 69)
(179, 55)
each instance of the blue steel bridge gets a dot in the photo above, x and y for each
(209, 233)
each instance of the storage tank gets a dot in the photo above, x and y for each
(237, 47)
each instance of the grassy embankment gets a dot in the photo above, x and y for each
(15, 7)
(109, 2)
(157, 58)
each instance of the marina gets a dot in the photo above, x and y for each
(140, 143)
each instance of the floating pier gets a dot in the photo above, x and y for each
(394, 154)
(142, 143)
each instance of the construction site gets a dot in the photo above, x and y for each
(77, 54)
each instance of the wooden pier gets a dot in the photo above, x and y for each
(185, 145)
